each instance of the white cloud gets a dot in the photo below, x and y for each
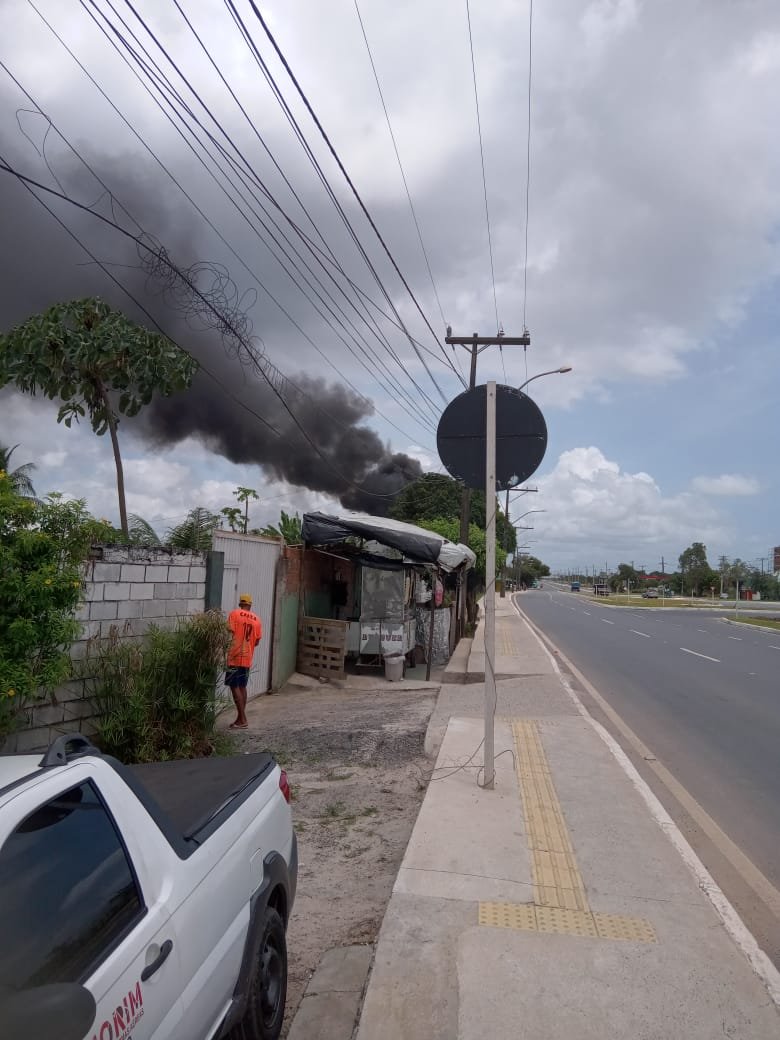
(593, 507)
(727, 485)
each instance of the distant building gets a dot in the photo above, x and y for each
(776, 560)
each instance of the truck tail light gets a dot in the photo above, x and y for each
(284, 786)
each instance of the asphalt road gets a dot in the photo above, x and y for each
(702, 694)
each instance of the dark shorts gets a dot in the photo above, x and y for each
(236, 676)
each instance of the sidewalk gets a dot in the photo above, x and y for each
(555, 906)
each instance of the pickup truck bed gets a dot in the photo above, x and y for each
(196, 795)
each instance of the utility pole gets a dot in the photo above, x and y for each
(491, 506)
(476, 344)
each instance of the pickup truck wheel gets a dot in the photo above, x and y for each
(268, 991)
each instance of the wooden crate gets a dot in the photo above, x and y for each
(322, 646)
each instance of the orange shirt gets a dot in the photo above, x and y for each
(247, 632)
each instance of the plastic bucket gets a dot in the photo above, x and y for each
(394, 667)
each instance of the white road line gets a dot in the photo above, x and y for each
(607, 622)
(685, 650)
(586, 612)
(704, 630)
(639, 633)
(773, 647)
(738, 638)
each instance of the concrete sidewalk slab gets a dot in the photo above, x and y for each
(439, 973)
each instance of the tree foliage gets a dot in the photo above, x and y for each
(288, 529)
(695, 572)
(98, 363)
(19, 479)
(196, 531)
(42, 549)
(435, 496)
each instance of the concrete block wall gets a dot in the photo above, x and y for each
(127, 590)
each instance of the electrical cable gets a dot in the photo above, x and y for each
(142, 233)
(528, 168)
(166, 89)
(354, 190)
(482, 157)
(29, 184)
(400, 164)
(163, 259)
(208, 221)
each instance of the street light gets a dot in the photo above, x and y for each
(553, 372)
(529, 513)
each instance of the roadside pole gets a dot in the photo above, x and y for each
(490, 586)
(475, 344)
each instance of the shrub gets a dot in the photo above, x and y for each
(42, 548)
(157, 698)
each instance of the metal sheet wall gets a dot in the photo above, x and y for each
(250, 566)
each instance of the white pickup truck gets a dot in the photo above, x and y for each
(145, 902)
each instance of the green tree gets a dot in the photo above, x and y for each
(243, 494)
(42, 549)
(694, 570)
(288, 529)
(19, 479)
(142, 532)
(196, 531)
(233, 516)
(99, 363)
(435, 496)
(529, 569)
(625, 574)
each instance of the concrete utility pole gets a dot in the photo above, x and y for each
(491, 506)
(476, 344)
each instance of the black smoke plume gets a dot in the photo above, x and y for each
(324, 445)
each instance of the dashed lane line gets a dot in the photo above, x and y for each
(706, 657)
(606, 622)
(639, 633)
(737, 638)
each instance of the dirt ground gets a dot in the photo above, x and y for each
(354, 756)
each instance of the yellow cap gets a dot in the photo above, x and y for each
(245, 598)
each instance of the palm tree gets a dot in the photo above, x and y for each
(141, 531)
(196, 531)
(18, 478)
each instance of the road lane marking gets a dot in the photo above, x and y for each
(773, 647)
(704, 630)
(639, 633)
(685, 650)
(738, 638)
(586, 612)
(607, 622)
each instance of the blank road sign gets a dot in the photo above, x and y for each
(521, 437)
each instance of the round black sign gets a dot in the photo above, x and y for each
(521, 437)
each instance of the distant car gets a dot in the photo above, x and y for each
(534, 584)
(650, 594)
(575, 586)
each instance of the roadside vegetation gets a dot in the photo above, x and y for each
(761, 622)
(43, 544)
(157, 697)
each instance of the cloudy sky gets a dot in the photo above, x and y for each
(653, 256)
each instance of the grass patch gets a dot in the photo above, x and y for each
(370, 810)
(334, 811)
(773, 623)
(334, 774)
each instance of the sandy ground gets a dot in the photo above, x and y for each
(354, 757)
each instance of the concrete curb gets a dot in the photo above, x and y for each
(744, 624)
(331, 1005)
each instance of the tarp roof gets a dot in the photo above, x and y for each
(415, 543)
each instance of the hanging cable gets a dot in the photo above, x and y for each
(482, 157)
(173, 98)
(355, 192)
(528, 171)
(400, 164)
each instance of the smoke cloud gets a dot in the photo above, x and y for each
(329, 449)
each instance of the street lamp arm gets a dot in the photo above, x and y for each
(553, 372)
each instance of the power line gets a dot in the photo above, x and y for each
(482, 157)
(354, 190)
(528, 167)
(400, 164)
(162, 84)
(162, 258)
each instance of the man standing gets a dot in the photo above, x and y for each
(247, 631)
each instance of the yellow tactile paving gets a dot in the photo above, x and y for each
(560, 902)
(557, 920)
(557, 881)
